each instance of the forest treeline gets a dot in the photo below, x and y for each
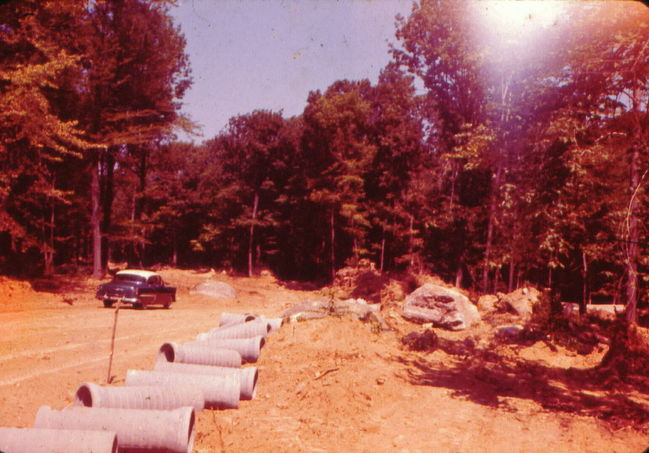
(491, 159)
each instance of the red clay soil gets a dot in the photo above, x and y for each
(332, 384)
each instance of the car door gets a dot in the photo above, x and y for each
(154, 291)
(159, 291)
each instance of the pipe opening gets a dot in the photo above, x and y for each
(262, 342)
(83, 396)
(254, 383)
(249, 317)
(167, 352)
(191, 433)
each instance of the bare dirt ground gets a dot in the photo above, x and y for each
(333, 384)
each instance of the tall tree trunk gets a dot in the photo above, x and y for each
(133, 253)
(493, 205)
(454, 176)
(95, 221)
(332, 238)
(512, 272)
(382, 261)
(107, 197)
(411, 240)
(251, 236)
(633, 232)
(174, 244)
(584, 276)
(632, 250)
(48, 255)
(136, 247)
(139, 207)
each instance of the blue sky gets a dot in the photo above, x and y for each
(256, 54)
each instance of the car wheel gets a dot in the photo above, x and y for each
(138, 306)
(108, 303)
(166, 306)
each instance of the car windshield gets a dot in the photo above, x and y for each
(129, 278)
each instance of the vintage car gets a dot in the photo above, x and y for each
(137, 287)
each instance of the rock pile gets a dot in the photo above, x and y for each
(443, 307)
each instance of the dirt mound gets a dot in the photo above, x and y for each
(628, 357)
(360, 281)
(12, 289)
(18, 295)
(363, 281)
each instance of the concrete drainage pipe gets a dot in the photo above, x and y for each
(199, 354)
(249, 348)
(230, 319)
(39, 440)
(247, 376)
(250, 329)
(220, 392)
(143, 397)
(171, 431)
(274, 323)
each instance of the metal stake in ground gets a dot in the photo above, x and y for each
(109, 378)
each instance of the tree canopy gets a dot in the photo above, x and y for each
(492, 159)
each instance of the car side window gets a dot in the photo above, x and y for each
(155, 280)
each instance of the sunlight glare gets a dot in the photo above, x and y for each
(513, 16)
(516, 31)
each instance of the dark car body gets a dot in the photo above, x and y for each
(137, 287)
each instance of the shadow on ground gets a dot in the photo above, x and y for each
(63, 284)
(486, 378)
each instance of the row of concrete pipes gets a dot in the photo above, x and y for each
(155, 410)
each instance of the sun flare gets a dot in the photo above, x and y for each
(514, 15)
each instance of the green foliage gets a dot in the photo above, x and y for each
(497, 170)
(78, 81)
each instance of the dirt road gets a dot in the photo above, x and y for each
(325, 385)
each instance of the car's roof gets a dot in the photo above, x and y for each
(139, 272)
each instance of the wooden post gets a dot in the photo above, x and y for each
(109, 378)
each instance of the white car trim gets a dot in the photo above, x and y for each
(138, 272)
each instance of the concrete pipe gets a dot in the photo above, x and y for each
(39, 440)
(274, 323)
(230, 319)
(220, 392)
(199, 354)
(250, 329)
(248, 376)
(170, 431)
(144, 397)
(249, 348)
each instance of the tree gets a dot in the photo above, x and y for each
(338, 151)
(396, 131)
(136, 73)
(246, 177)
(605, 118)
(436, 50)
(37, 66)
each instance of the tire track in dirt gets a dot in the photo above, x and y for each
(89, 325)
(76, 363)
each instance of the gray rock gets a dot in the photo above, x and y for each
(215, 289)
(603, 311)
(522, 301)
(444, 307)
(355, 308)
(509, 332)
(488, 303)
(311, 306)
